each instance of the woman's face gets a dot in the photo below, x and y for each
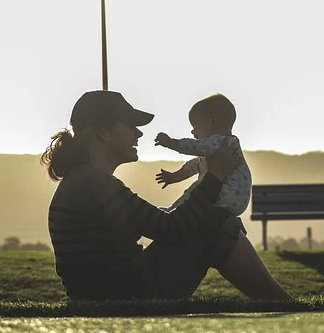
(123, 142)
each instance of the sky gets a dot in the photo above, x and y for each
(267, 57)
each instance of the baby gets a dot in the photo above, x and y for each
(212, 120)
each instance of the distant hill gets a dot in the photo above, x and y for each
(26, 191)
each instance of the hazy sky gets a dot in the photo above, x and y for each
(266, 56)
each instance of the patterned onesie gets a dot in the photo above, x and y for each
(235, 193)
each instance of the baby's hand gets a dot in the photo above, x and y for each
(163, 140)
(165, 177)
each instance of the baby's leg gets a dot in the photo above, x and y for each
(234, 201)
(245, 270)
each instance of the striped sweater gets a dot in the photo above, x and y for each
(95, 222)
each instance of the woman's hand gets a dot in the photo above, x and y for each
(225, 159)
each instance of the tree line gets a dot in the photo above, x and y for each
(291, 244)
(13, 243)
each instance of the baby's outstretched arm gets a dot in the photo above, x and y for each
(189, 169)
(167, 178)
(206, 147)
(195, 147)
(162, 139)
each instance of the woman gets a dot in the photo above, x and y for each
(95, 221)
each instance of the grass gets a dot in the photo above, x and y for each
(223, 323)
(29, 276)
(29, 287)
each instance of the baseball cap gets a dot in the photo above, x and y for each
(103, 107)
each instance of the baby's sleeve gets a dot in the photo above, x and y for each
(191, 167)
(201, 148)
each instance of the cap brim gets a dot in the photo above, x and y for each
(141, 118)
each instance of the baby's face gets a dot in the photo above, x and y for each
(201, 126)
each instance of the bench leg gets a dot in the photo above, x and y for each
(264, 235)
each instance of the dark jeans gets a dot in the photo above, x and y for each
(175, 270)
(169, 269)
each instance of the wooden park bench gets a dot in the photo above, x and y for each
(286, 202)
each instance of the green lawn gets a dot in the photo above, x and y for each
(221, 323)
(32, 300)
(29, 287)
(29, 276)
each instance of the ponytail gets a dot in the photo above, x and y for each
(63, 152)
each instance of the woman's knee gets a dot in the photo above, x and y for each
(226, 241)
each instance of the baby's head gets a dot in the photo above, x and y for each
(212, 115)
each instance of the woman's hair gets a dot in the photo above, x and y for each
(64, 152)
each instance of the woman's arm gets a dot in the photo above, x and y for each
(126, 211)
(129, 214)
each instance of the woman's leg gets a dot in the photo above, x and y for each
(176, 270)
(245, 270)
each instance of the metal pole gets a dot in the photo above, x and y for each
(264, 235)
(104, 46)
(309, 238)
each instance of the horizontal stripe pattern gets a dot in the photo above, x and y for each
(95, 222)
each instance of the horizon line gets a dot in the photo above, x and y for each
(146, 159)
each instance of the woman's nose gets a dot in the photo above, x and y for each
(193, 131)
(138, 133)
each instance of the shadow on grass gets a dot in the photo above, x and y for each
(312, 260)
(141, 308)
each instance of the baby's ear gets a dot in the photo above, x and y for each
(213, 118)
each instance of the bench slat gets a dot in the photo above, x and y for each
(295, 188)
(277, 217)
(289, 207)
(285, 198)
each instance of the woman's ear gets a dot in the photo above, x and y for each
(103, 134)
